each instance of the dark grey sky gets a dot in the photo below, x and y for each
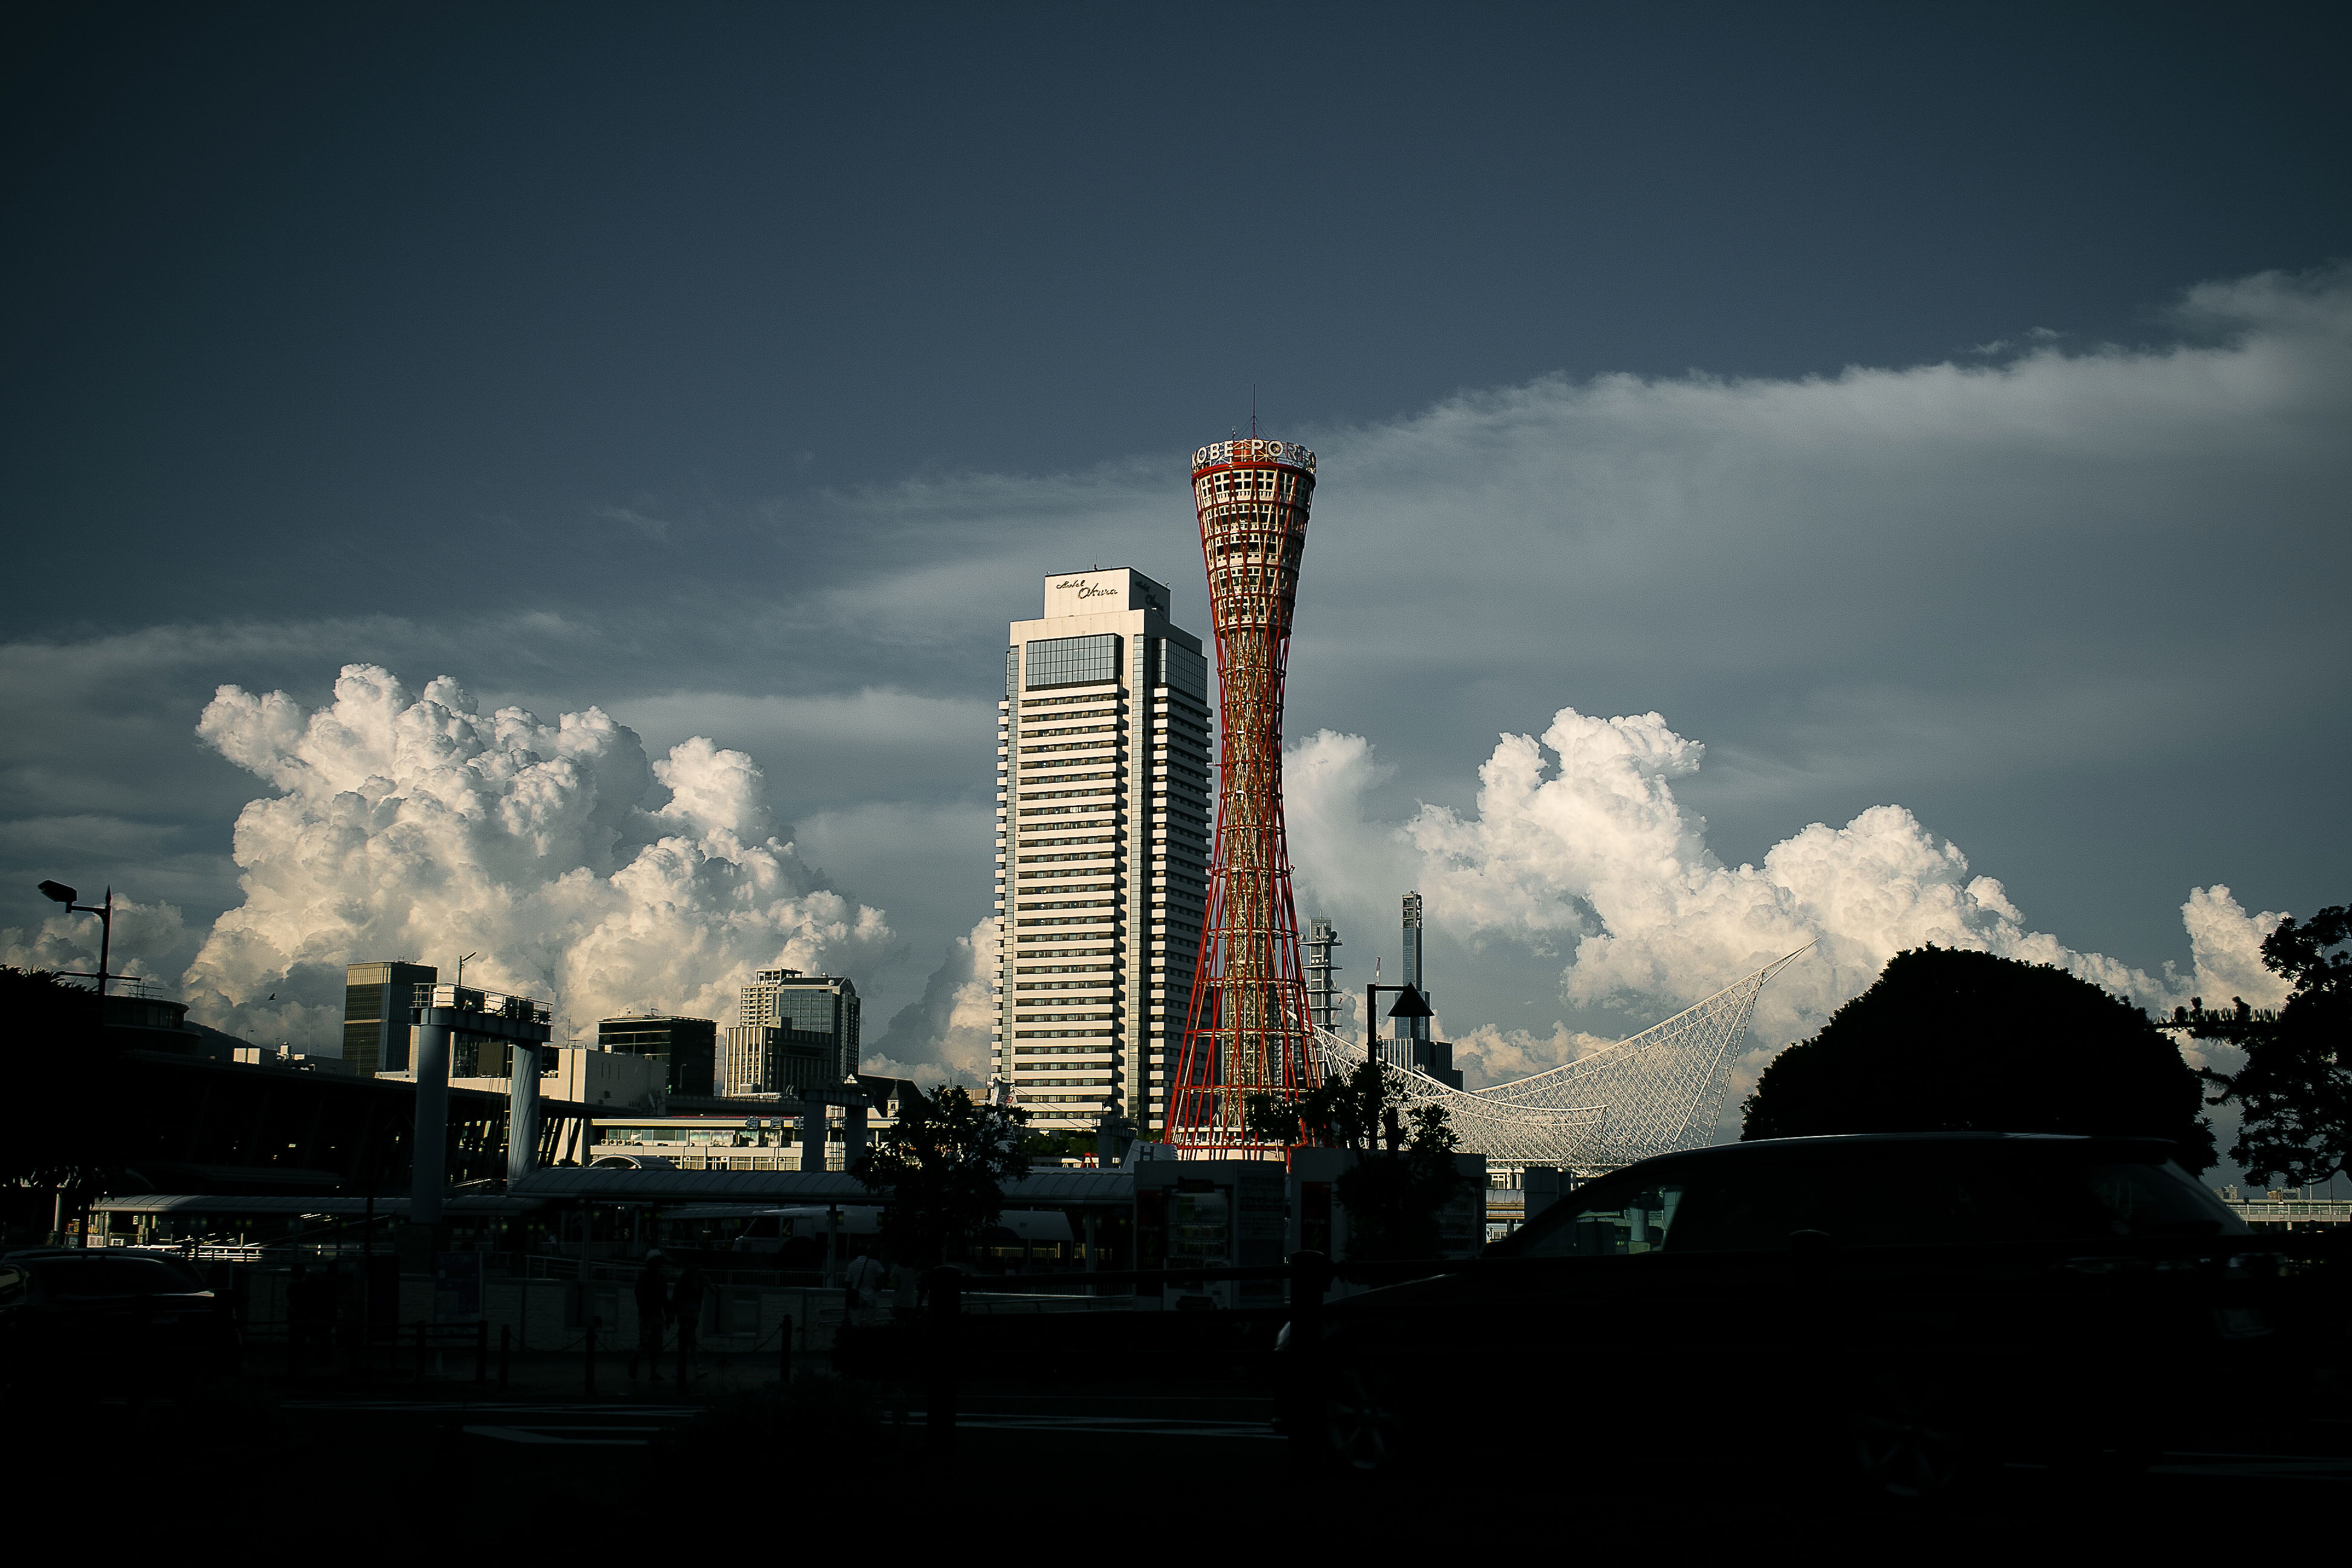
(638, 356)
(291, 287)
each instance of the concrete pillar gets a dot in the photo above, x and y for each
(1543, 1185)
(430, 1146)
(811, 1131)
(523, 1110)
(855, 1135)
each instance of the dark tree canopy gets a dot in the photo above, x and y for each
(1952, 1041)
(2297, 1084)
(50, 1037)
(1404, 1175)
(942, 1170)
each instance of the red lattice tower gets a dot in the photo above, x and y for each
(1247, 1030)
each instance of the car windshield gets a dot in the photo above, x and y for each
(1614, 1219)
(2125, 1199)
(74, 1276)
(1755, 1206)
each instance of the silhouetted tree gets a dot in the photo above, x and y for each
(2297, 1084)
(1952, 1041)
(1058, 1145)
(942, 1170)
(56, 1055)
(1404, 1175)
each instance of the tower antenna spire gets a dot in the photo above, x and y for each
(1252, 411)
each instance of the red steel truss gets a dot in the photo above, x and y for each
(1247, 1032)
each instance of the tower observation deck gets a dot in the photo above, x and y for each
(1247, 1031)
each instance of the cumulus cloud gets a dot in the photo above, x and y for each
(1975, 587)
(1491, 1053)
(151, 941)
(943, 1036)
(1579, 845)
(2225, 945)
(413, 826)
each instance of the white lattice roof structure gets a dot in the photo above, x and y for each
(1649, 1094)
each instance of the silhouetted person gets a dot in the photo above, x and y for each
(653, 1308)
(686, 1305)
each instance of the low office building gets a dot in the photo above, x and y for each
(753, 1135)
(687, 1048)
(377, 1019)
(137, 1019)
(379, 1024)
(578, 1075)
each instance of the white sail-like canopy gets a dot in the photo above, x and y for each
(1651, 1093)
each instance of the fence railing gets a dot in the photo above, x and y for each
(401, 1350)
(1305, 1278)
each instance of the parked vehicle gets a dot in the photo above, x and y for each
(1901, 1308)
(105, 1319)
(775, 1230)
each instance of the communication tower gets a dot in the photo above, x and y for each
(1247, 1029)
(1322, 936)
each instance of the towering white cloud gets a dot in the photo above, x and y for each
(415, 827)
(2225, 944)
(943, 1036)
(1578, 845)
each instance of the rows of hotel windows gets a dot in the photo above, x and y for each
(1084, 852)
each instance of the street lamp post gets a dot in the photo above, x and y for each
(1409, 1004)
(59, 893)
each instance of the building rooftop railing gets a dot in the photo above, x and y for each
(2307, 1211)
(492, 1004)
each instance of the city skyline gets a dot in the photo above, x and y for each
(1739, 518)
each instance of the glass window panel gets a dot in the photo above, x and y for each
(1073, 662)
(1614, 1221)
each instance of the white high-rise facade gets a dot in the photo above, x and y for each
(1104, 779)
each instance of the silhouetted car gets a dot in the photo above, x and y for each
(105, 1319)
(1897, 1307)
(169, 1257)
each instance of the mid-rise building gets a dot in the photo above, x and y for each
(377, 1015)
(1102, 819)
(824, 1005)
(760, 1058)
(687, 1048)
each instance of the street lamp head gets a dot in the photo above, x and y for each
(58, 892)
(1409, 1004)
